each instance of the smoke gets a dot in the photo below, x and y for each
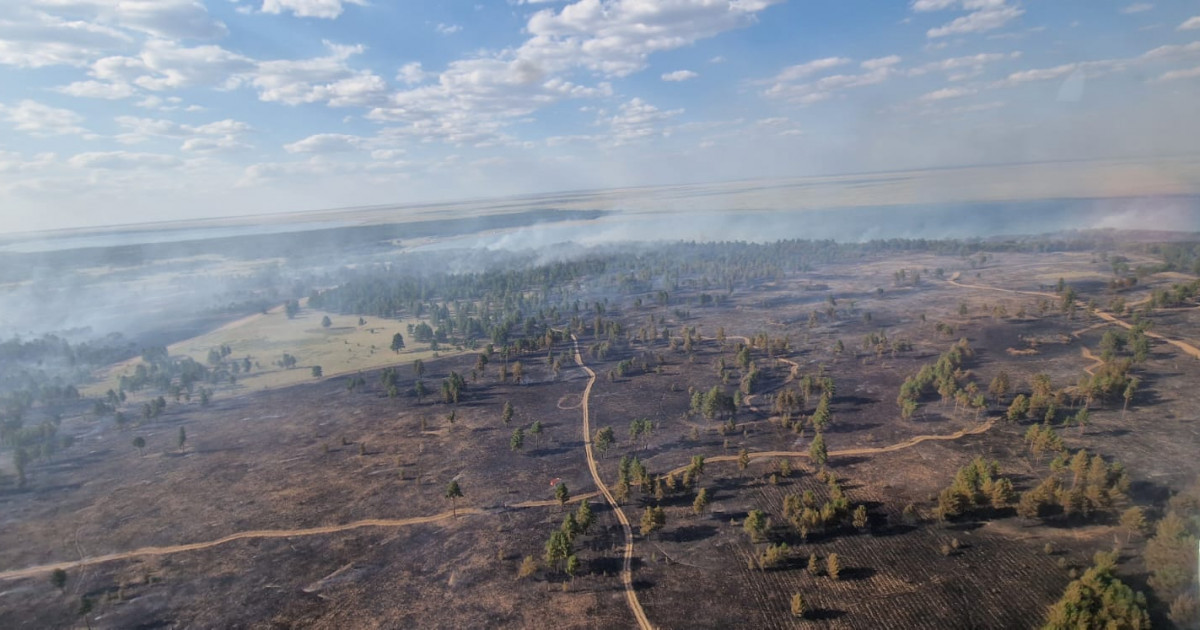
(156, 288)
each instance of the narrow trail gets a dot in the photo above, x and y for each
(258, 533)
(874, 450)
(750, 398)
(276, 533)
(1187, 348)
(627, 568)
(1096, 361)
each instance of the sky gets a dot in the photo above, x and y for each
(126, 111)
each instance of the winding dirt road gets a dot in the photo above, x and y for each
(1187, 348)
(875, 450)
(631, 597)
(274, 533)
(259, 533)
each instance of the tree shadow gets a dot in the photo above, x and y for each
(824, 614)
(895, 529)
(855, 574)
(693, 533)
(849, 427)
(547, 452)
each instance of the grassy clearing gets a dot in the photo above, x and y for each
(345, 347)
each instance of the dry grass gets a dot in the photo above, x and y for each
(345, 347)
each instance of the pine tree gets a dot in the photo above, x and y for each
(798, 607)
(701, 501)
(1133, 521)
(454, 492)
(572, 565)
(653, 520)
(833, 566)
(562, 494)
(860, 517)
(558, 547)
(603, 439)
(817, 450)
(755, 525)
(536, 431)
(814, 565)
(528, 567)
(584, 516)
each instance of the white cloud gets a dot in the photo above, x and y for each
(932, 5)
(11, 162)
(122, 160)
(163, 65)
(1190, 24)
(961, 68)
(153, 101)
(785, 84)
(386, 154)
(945, 93)
(881, 62)
(984, 15)
(42, 120)
(1171, 52)
(679, 75)
(325, 143)
(30, 39)
(314, 168)
(637, 119)
(221, 135)
(174, 19)
(411, 73)
(1089, 69)
(1175, 75)
(213, 144)
(717, 59)
(1040, 74)
(799, 71)
(447, 29)
(97, 89)
(326, 79)
(328, 9)
(615, 37)
(1137, 7)
(474, 99)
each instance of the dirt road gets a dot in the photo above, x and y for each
(627, 568)
(275, 533)
(909, 443)
(1187, 348)
(259, 533)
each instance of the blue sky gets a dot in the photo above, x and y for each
(117, 111)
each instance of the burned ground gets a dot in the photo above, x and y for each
(319, 454)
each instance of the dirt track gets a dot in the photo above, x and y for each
(260, 533)
(627, 568)
(909, 443)
(271, 533)
(1187, 348)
